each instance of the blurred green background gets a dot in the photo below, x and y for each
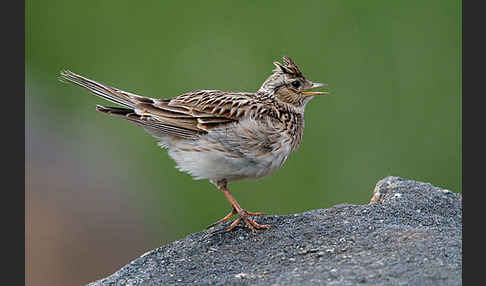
(99, 192)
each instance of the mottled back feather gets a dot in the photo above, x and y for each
(193, 114)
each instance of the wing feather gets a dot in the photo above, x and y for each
(188, 115)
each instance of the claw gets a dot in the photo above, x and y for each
(254, 214)
(245, 216)
(233, 225)
(252, 224)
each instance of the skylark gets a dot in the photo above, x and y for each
(218, 135)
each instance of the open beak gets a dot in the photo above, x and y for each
(314, 93)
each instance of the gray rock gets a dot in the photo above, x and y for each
(409, 234)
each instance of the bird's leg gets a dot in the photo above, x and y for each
(244, 215)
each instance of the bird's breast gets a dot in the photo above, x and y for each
(244, 149)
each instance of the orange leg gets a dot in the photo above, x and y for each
(244, 215)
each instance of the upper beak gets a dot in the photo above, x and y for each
(313, 93)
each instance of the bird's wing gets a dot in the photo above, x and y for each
(188, 115)
(201, 110)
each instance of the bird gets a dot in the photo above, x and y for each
(221, 136)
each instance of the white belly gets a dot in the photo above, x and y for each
(232, 154)
(216, 165)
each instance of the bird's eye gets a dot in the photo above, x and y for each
(296, 84)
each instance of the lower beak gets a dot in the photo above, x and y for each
(314, 93)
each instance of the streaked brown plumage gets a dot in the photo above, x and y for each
(217, 135)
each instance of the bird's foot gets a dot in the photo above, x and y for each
(245, 216)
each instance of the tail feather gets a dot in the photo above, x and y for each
(158, 126)
(154, 127)
(111, 94)
(115, 110)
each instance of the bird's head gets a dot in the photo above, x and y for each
(288, 84)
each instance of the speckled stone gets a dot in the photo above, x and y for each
(409, 234)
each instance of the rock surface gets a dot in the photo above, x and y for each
(409, 234)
